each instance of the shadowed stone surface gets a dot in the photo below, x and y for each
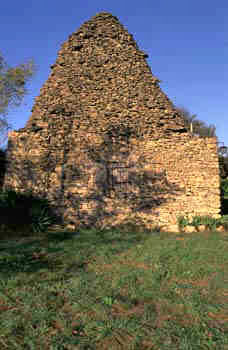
(100, 104)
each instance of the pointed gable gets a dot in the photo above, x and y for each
(100, 82)
(101, 78)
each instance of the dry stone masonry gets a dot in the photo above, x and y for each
(104, 144)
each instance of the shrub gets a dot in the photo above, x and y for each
(183, 222)
(224, 188)
(196, 221)
(25, 209)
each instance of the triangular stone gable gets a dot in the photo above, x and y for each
(101, 78)
(100, 82)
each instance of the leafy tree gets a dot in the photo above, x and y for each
(223, 162)
(12, 88)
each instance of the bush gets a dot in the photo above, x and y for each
(209, 222)
(18, 210)
(196, 221)
(224, 188)
(183, 222)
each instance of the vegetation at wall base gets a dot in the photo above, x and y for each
(209, 222)
(161, 292)
(36, 215)
(24, 210)
(109, 289)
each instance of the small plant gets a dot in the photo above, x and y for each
(224, 221)
(182, 222)
(40, 219)
(39, 215)
(224, 188)
(25, 209)
(209, 222)
(108, 301)
(196, 221)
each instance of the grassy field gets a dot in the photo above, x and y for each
(114, 290)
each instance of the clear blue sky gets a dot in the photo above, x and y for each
(187, 43)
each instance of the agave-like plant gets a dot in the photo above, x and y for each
(35, 211)
(40, 219)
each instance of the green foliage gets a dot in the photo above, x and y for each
(182, 221)
(25, 209)
(12, 88)
(209, 222)
(40, 220)
(224, 188)
(12, 83)
(196, 221)
(224, 196)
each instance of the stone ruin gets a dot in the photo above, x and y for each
(104, 144)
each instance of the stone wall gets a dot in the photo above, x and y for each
(101, 103)
(161, 179)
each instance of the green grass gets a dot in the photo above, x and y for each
(114, 290)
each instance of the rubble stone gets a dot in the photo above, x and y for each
(101, 104)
